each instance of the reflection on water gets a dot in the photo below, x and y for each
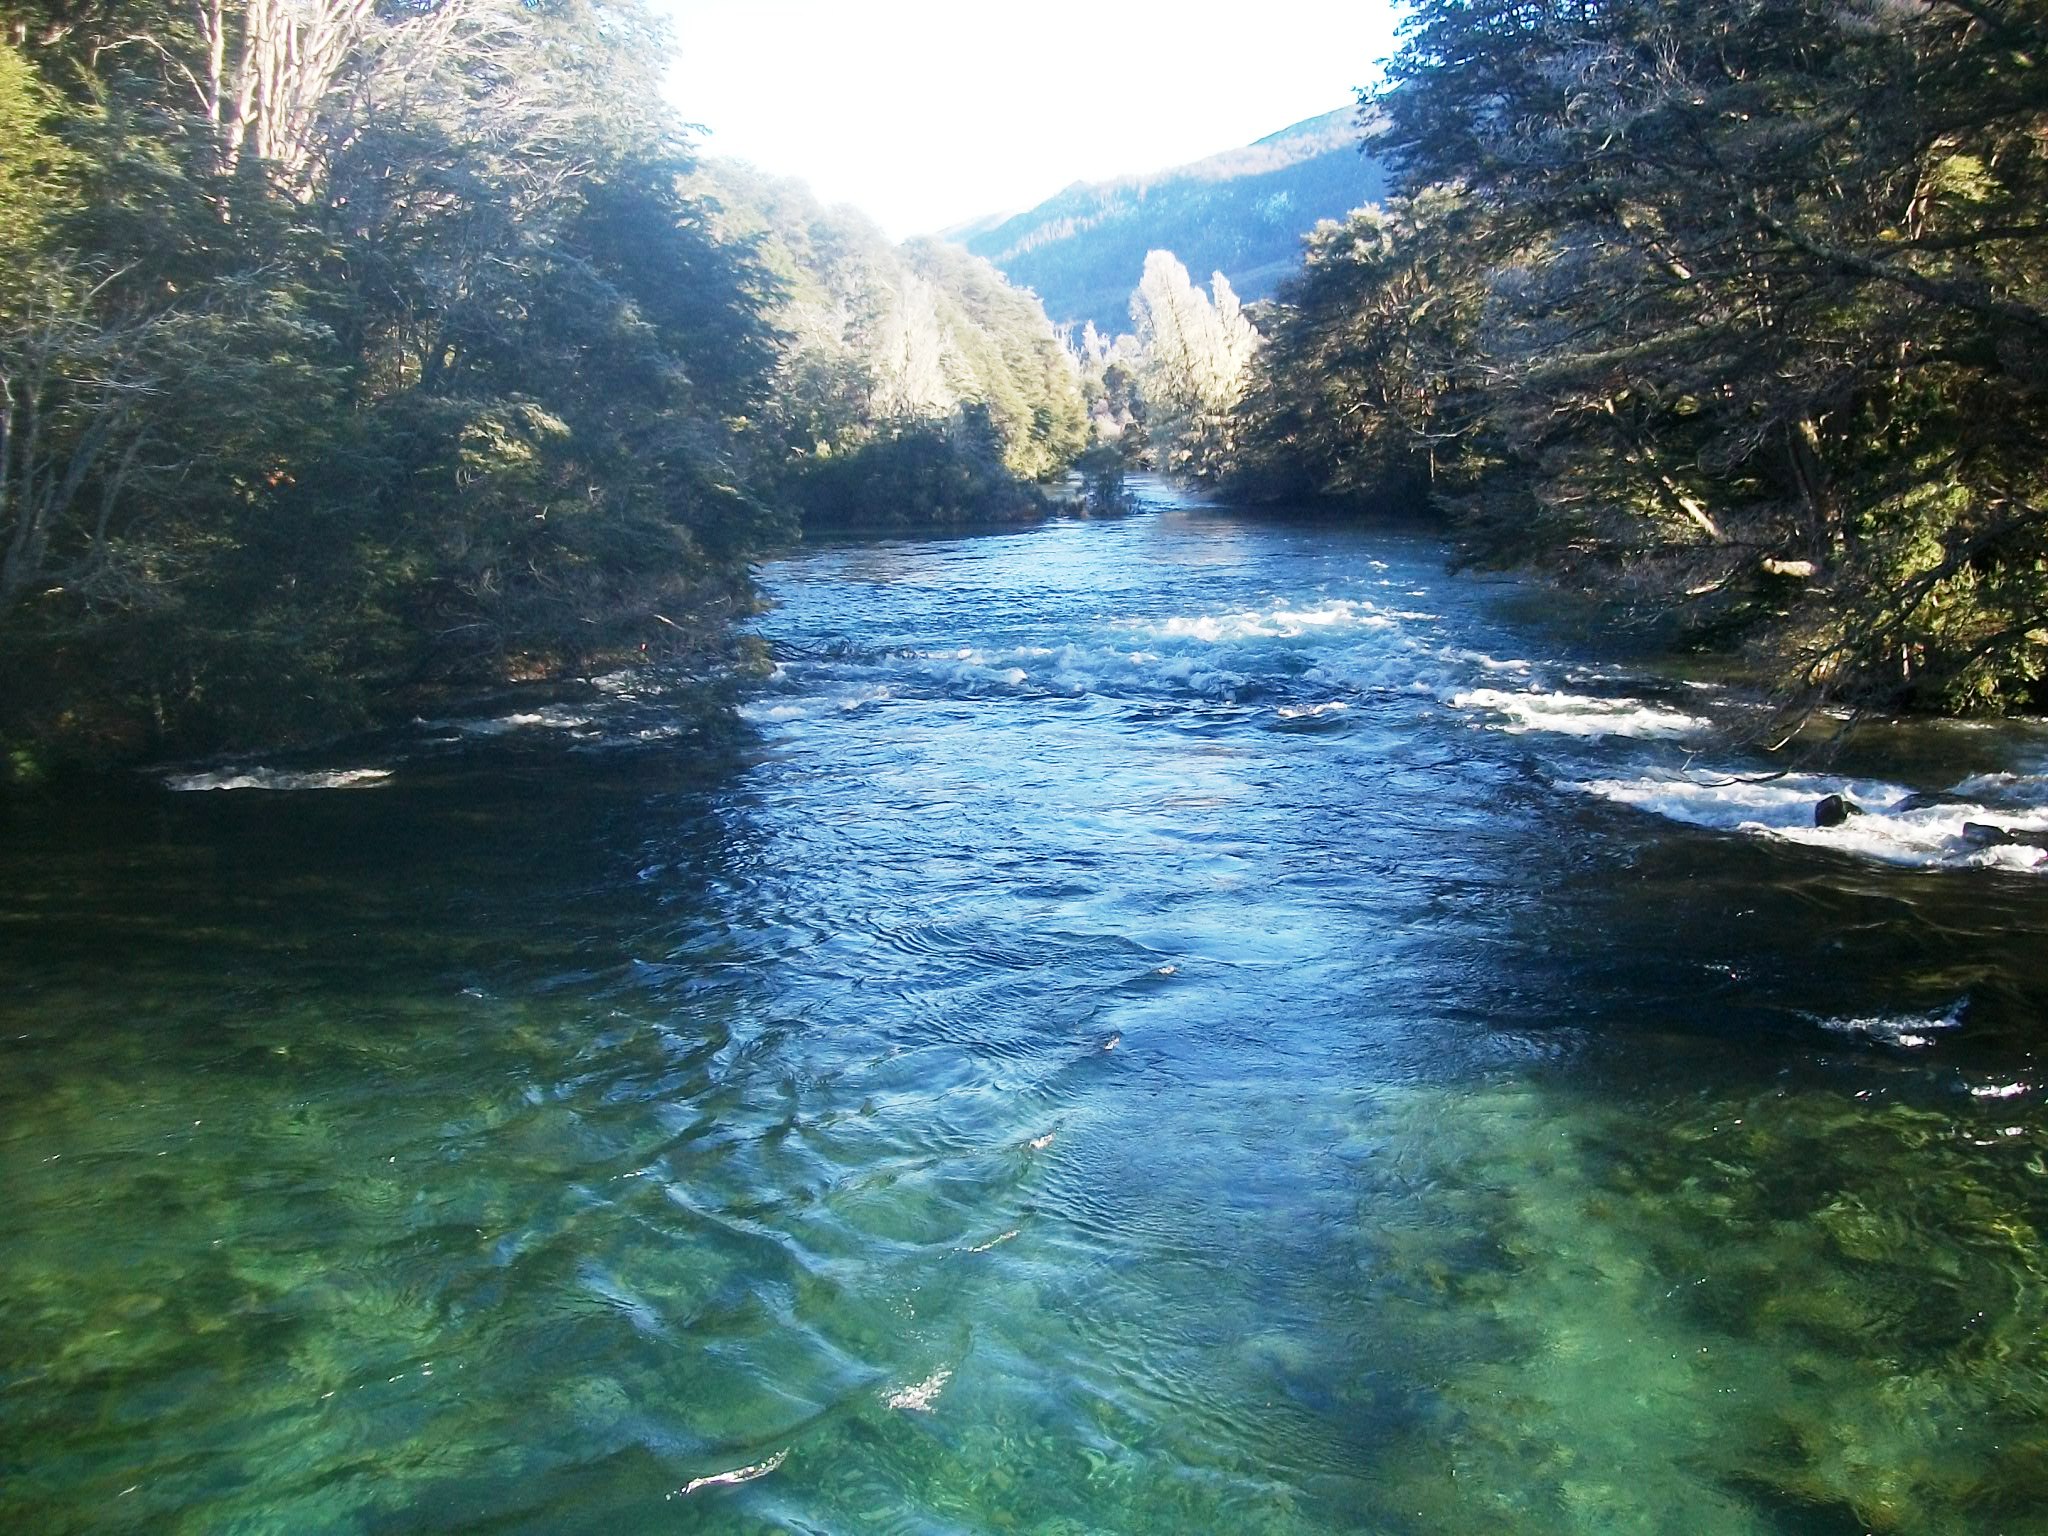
(1152, 1034)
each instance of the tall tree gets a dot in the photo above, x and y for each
(1763, 329)
(378, 348)
(1195, 353)
(1367, 387)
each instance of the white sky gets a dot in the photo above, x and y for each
(926, 113)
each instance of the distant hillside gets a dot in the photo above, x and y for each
(878, 333)
(1241, 213)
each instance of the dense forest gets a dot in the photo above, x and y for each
(351, 352)
(913, 385)
(1737, 310)
(1737, 313)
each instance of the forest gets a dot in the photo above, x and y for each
(351, 354)
(1737, 312)
(354, 353)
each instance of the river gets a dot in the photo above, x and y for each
(1182, 1024)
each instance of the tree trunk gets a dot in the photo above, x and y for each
(293, 53)
(1824, 533)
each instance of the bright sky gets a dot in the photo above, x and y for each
(926, 113)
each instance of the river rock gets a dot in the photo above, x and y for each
(1834, 810)
(1981, 834)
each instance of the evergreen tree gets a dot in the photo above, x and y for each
(1366, 388)
(350, 352)
(1748, 311)
(914, 384)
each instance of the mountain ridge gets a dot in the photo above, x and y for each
(1242, 212)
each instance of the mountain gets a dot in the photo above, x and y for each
(1241, 213)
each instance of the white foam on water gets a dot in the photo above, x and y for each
(2000, 1090)
(1484, 662)
(919, 1398)
(772, 714)
(1906, 1031)
(275, 779)
(1408, 666)
(1070, 671)
(2026, 791)
(861, 698)
(968, 668)
(1312, 711)
(1283, 621)
(1199, 677)
(553, 718)
(1892, 830)
(1573, 714)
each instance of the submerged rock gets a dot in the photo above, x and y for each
(1834, 810)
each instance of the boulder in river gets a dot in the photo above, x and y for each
(1982, 834)
(1834, 810)
(1921, 800)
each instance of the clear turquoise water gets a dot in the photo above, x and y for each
(1055, 1074)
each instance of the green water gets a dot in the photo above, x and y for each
(1055, 1073)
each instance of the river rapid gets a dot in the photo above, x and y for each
(1184, 1024)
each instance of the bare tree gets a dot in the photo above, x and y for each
(288, 58)
(75, 397)
(1196, 353)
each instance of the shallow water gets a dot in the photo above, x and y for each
(1187, 1024)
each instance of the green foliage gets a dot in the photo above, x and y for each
(896, 367)
(1192, 361)
(1103, 480)
(1739, 310)
(392, 406)
(920, 474)
(1364, 390)
(34, 166)
(1000, 352)
(417, 357)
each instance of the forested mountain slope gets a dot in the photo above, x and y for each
(1242, 213)
(912, 380)
(879, 333)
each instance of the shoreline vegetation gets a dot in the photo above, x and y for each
(1735, 313)
(424, 356)
(355, 359)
